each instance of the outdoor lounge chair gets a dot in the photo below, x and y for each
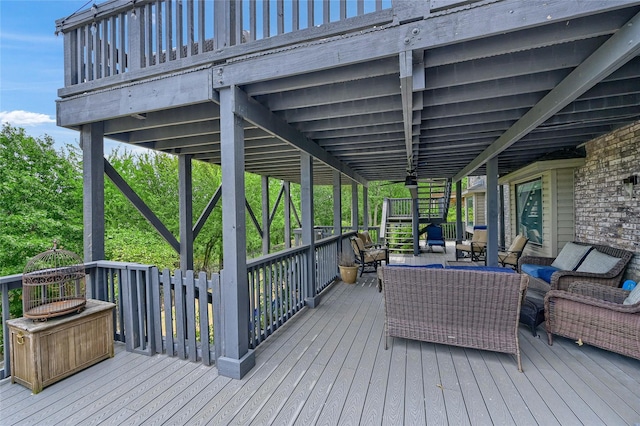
(594, 314)
(368, 257)
(510, 256)
(435, 238)
(548, 277)
(476, 248)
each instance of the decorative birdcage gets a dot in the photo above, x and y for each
(53, 284)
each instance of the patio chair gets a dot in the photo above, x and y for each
(595, 314)
(510, 256)
(366, 239)
(435, 238)
(476, 248)
(368, 257)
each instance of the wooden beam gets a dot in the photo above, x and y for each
(406, 90)
(140, 205)
(190, 88)
(623, 46)
(260, 116)
(185, 192)
(235, 358)
(92, 143)
(207, 212)
(308, 236)
(424, 34)
(266, 223)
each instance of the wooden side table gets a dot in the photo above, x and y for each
(43, 353)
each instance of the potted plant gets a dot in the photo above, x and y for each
(348, 267)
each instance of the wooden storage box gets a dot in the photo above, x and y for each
(44, 352)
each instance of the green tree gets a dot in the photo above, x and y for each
(40, 198)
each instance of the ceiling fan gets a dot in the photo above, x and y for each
(410, 181)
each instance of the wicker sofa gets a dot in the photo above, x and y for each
(458, 307)
(560, 280)
(594, 314)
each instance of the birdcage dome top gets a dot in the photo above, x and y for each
(54, 261)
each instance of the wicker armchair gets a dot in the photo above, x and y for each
(454, 307)
(594, 313)
(560, 280)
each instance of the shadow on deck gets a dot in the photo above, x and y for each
(329, 366)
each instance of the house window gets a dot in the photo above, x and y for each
(469, 211)
(529, 210)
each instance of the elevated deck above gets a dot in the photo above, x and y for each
(372, 89)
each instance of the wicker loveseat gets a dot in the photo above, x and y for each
(561, 279)
(595, 315)
(458, 307)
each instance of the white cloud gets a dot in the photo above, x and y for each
(24, 118)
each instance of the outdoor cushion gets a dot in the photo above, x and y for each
(518, 243)
(535, 270)
(546, 272)
(633, 297)
(570, 256)
(482, 268)
(429, 266)
(598, 262)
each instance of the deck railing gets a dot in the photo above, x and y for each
(276, 290)
(177, 312)
(9, 283)
(119, 36)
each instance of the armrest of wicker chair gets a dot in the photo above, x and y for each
(560, 280)
(598, 291)
(608, 325)
(535, 260)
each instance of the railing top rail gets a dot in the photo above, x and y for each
(10, 279)
(276, 256)
(96, 12)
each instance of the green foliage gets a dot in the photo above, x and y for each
(40, 198)
(40, 201)
(133, 245)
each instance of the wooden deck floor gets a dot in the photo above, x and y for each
(329, 366)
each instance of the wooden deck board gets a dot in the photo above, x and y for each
(329, 366)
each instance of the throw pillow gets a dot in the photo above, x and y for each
(633, 297)
(570, 256)
(597, 263)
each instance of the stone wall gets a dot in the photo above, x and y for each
(605, 212)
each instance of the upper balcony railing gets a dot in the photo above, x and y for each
(123, 36)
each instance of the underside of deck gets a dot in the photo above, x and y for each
(329, 366)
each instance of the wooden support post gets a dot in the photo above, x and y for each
(415, 226)
(185, 193)
(235, 359)
(287, 214)
(92, 143)
(308, 236)
(502, 236)
(365, 208)
(266, 226)
(354, 206)
(337, 203)
(459, 226)
(492, 212)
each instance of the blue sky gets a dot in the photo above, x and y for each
(31, 66)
